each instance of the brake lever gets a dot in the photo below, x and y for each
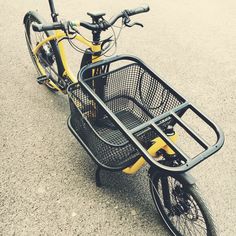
(133, 24)
(70, 28)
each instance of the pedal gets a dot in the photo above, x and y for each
(42, 79)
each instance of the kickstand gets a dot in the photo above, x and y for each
(97, 176)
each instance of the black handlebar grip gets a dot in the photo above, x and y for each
(40, 27)
(138, 10)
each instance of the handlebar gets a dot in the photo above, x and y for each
(100, 26)
(54, 26)
(138, 10)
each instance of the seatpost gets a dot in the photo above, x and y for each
(54, 15)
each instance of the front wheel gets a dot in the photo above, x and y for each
(180, 206)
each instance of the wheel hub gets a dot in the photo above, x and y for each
(182, 206)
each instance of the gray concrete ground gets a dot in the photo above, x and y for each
(47, 179)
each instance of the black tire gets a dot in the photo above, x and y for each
(185, 214)
(32, 39)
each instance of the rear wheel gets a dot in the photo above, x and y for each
(45, 59)
(180, 206)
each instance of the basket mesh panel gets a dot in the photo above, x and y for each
(101, 140)
(135, 96)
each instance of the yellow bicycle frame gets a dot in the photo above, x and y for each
(158, 144)
(67, 72)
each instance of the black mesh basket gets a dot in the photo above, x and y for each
(118, 112)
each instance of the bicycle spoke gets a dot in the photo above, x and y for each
(185, 214)
(187, 225)
(44, 59)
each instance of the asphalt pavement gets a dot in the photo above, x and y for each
(47, 182)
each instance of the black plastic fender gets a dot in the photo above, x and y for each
(185, 178)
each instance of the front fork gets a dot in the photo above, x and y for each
(185, 179)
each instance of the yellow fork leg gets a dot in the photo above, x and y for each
(158, 144)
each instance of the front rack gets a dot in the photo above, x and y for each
(94, 99)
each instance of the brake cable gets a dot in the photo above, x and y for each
(103, 51)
